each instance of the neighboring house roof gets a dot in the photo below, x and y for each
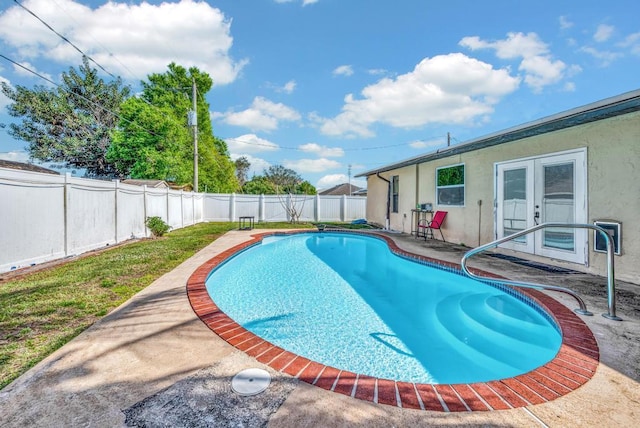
(158, 184)
(609, 107)
(26, 167)
(148, 183)
(341, 189)
(361, 192)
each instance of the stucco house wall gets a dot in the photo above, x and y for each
(400, 220)
(612, 148)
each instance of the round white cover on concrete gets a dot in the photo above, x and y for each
(250, 381)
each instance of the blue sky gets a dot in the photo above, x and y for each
(321, 85)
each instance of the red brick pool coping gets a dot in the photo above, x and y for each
(573, 366)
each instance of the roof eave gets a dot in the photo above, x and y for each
(610, 107)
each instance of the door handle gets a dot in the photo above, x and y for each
(536, 215)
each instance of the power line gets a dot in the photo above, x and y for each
(74, 94)
(124, 66)
(354, 149)
(63, 38)
(200, 95)
(29, 70)
(83, 54)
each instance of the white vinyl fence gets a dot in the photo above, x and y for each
(45, 216)
(266, 208)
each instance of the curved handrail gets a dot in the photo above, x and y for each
(611, 302)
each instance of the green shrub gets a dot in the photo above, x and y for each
(157, 226)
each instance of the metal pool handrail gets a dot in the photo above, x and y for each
(611, 287)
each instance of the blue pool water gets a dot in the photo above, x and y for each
(346, 301)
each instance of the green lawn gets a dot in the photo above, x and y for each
(42, 311)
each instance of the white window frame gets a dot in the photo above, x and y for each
(395, 195)
(463, 185)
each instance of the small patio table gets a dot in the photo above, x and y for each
(246, 222)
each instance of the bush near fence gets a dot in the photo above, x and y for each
(46, 217)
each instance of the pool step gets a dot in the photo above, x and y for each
(490, 332)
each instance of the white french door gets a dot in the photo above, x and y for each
(543, 190)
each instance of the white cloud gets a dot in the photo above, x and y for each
(538, 66)
(444, 89)
(541, 71)
(632, 41)
(603, 33)
(574, 70)
(565, 23)
(570, 87)
(125, 37)
(605, 57)
(289, 87)
(516, 45)
(16, 156)
(323, 151)
(343, 70)
(431, 144)
(304, 2)
(311, 165)
(252, 119)
(263, 115)
(250, 143)
(377, 71)
(22, 72)
(328, 181)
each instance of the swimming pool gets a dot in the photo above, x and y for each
(573, 366)
(346, 301)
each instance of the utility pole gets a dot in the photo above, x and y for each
(349, 179)
(194, 124)
(448, 139)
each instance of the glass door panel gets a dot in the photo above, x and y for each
(514, 206)
(558, 205)
(514, 203)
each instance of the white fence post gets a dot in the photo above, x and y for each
(261, 208)
(67, 177)
(145, 208)
(181, 208)
(167, 212)
(232, 207)
(316, 208)
(115, 208)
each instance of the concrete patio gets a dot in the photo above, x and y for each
(152, 362)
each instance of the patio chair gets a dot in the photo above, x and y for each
(426, 228)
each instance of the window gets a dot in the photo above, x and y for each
(450, 185)
(395, 189)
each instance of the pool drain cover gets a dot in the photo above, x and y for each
(250, 381)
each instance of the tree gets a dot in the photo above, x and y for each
(153, 139)
(306, 188)
(286, 180)
(71, 123)
(259, 185)
(242, 169)
(140, 153)
(278, 180)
